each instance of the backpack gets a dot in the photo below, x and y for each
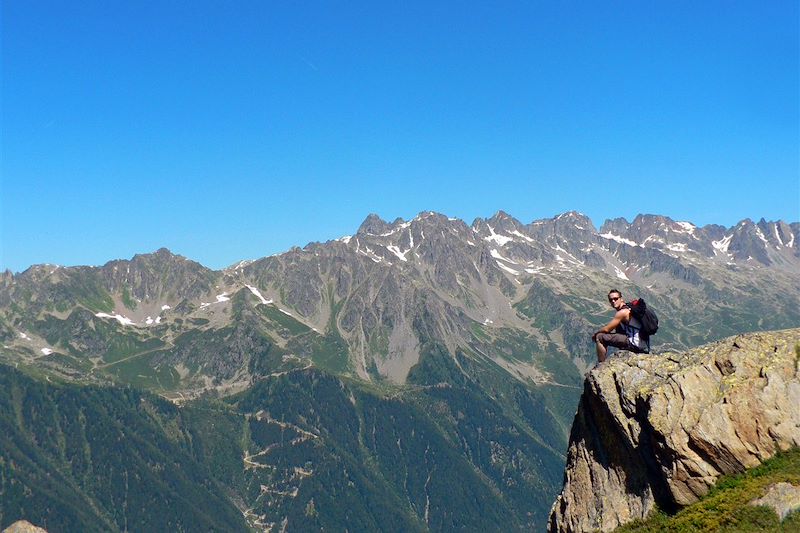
(645, 315)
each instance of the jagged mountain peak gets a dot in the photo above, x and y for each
(615, 225)
(500, 222)
(650, 218)
(162, 252)
(766, 241)
(160, 256)
(503, 220)
(160, 275)
(570, 227)
(574, 219)
(501, 216)
(569, 218)
(43, 269)
(660, 224)
(160, 260)
(763, 242)
(433, 216)
(373, 225)
(576, 215)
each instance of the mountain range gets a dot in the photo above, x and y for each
(420, 374)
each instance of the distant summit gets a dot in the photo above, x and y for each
(373, 225)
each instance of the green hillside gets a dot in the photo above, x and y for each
(302, 448)
(102, 459)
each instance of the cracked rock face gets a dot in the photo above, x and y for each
(661, 429)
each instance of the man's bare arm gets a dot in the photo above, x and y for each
(611, 326)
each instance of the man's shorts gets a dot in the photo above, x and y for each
(617, 340)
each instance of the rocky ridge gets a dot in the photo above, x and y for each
(660, 430)
(380, 295)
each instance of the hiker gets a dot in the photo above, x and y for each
(622, 332)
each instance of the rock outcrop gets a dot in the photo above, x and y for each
(783, 497)
(23, 526)
(661, 429)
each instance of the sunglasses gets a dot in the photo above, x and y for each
(614, 299)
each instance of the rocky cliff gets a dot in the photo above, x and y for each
(659, 430)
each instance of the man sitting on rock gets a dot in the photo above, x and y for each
(622, 332)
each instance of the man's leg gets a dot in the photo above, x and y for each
(602, 351)
(604, 340)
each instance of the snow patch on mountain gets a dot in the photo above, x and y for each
(677, 247)
(502, 240)
(402, 226)
(570, 258)
(507, 269)
(369, 253)
(258, 295)
(498, 255)
(221, 298)
(777, 234)
(396, 251)
(125, 321)
(612, 237)
(761, 236)
(519, 234)
(372, 255)
(241, 264)
(722, 245)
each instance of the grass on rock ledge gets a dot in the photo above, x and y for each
(726, 509)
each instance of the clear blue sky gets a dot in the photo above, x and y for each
(235, 130)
